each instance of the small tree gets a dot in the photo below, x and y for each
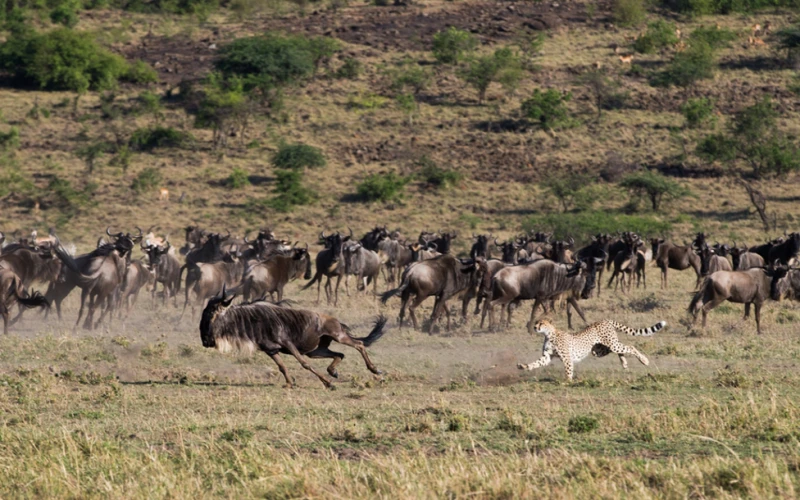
(629, 12)
(289, 191)
(698, 112)
(688, 67)
(408, 105)
(410, 78)
(654, 186)
(548, 109)
(789, 40)
(659, 34)
(571, 190)
(298, 157)
(383, 187)
(604, 91)
(450, 46)
(503, 66)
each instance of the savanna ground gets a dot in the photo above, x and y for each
(140, 409)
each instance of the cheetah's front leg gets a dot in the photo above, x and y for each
(543, 361)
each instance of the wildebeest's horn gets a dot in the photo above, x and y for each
(306, 248)
(497, 244)
(246, 241)
(434, 246)
(571, 241)
(350, 231)
(150, 229)
(140, 230)
(108, 230)
(322, 235)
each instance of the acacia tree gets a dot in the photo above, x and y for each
(656, 187)
(754, 149)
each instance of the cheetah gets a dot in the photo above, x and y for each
(599, 339)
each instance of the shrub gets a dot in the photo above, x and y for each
(382, 187)
(548, 109)
(140, 72)
(150, 103)
(199, 7)
(451, 45)
(67, 199)
(9, 140)
(654, 186)
(66, 14)
(147, 139)
(91, 152)
(687, 67)
(584, 223)
(712, 36)
(298, 156)
(580, 424)
(413, 78)
(61, 59)
(503, 66)
(716, 147)
(274, 60)
(659, 34)
(435, 176)
(350, 69)
(290, 191)
(238, 179)
(225, 107)
(571, 190)
(698, 112)
(629, 12)
(604, 91)
(789, 40)
(147, 179)
(407, 104)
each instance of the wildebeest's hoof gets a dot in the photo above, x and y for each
(333, 373)
(331, 387)
(380, 372)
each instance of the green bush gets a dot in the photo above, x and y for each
(656, 187)
(450, 46)
(61, 59)
(569, 190)
(503, 66)
(713, 37)
(199, 7)
(298, 156)
(66, 14)
(147, 179)
(274, 60)
(413, 78)
(238, 179)
(147, 139)
(604, 90)
(70, 201)
(435, 176)
(140, 72)
(548, 109)
(660, 34)
(582, 224)
(629, 12)
(289, 191)
(9, 140)
(698, 8)
(698, 112)
(382, 187)
(150, 103)
(716, 147)
(687, 67)
(350, 69)
(581, 424)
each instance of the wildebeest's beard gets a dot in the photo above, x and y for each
(215, 307)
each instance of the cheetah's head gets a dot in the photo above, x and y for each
(544, 326)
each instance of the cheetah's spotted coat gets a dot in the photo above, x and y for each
(599, 339)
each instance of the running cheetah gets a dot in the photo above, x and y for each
(600, 339)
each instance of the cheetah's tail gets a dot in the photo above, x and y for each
(645, 332)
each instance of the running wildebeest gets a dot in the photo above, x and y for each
(272, 275)
(12, 292)
(274, 329)
(329, 263)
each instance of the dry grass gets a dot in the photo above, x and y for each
(141, 410)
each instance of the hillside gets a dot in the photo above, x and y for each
(361, 129)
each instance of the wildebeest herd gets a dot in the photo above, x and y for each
(212, 268)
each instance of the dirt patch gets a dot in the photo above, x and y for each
(175, 58)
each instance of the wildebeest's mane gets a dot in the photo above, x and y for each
(102, 250)
(13, 247)
(553, 278)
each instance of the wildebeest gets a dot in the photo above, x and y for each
(166, 270)
(371, 240)
(740, 287)
(666, 255)
(785, 283)
(97, 274)
(396, 256)
(442, 277)
(272, 275)
(273, 330)
(626, 262)
(442, 240)
(487, 269)
(12, 292)
(786, 251)
(211, 276)
(599, 247)
(329, 263)
(480, 247)
(137, 276)
(364, 264)
(711, 262)
(509, 250)
(420, 253)
(542, 281)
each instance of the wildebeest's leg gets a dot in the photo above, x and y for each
(5, 319)
(299, 357)
(757, 306)
(418, 299)
(345, 339)
(599, 280)
(536, 304)
(336, 290)
(84, 294)
(322, 351)
(746, 310)
(709, 306)
(406, 294)
(574, 303)
(278, 361)
(87, 324)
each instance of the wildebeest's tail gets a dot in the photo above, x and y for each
(646, 332)
(698, 297)
(385, 296)
(34, 299)
(377, 331)
(317, 277)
